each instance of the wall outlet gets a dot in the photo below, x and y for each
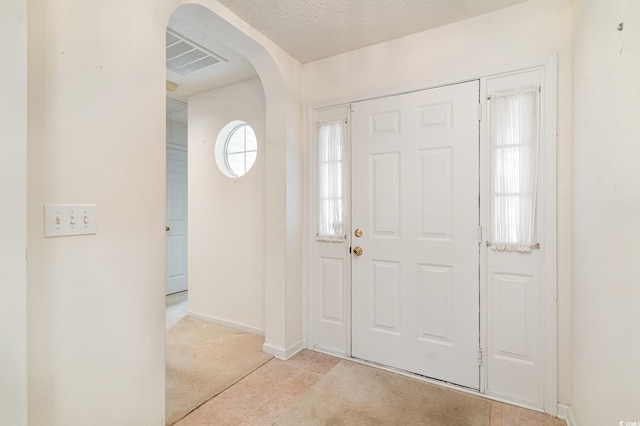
(69, 219)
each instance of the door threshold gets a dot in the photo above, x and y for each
(430, 380)
(413, 375)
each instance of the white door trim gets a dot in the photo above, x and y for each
(550, 256)
(548, 66)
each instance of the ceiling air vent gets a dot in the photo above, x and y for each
(186, 57)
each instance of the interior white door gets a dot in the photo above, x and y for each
(176, 220)
(415, 195)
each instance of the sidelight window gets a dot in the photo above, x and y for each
(331, 182)
(514, 157)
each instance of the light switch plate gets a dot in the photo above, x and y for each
(69, 219)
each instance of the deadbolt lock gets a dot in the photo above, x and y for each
(357, 251)
(358, 233)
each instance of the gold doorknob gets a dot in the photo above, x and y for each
(357, 251)
(358, 233)
(166, 228)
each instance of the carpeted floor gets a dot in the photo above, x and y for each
(354, 394)
(202, 360)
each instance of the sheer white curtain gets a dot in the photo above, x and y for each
(331, 191)
(514, 180)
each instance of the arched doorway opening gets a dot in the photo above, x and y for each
(282, 251)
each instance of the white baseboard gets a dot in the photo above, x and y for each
(284, 354)
(564, 413)
(227, 323)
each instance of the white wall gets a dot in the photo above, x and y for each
(96, 134)
(606, 289)
(13, 193)
(226, 216)
(531, 29)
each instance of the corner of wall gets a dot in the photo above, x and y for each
(565, 413)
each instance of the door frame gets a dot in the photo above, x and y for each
(548, 68)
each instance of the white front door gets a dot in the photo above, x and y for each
(415, 195)
(176, 220)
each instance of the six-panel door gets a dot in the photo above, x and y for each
(415, 193)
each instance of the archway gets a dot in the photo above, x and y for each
(283, 175)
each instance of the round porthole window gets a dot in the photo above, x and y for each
(236, 149)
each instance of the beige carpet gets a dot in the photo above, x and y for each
(203, 359)
(354, 394)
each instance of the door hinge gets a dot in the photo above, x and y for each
(351, 108)
(479, 234)
(479, 111)
(479, 356)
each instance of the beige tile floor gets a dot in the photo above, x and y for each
(259, 398)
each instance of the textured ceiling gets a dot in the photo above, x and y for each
(314, 29)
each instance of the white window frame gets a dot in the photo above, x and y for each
(222, 144)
